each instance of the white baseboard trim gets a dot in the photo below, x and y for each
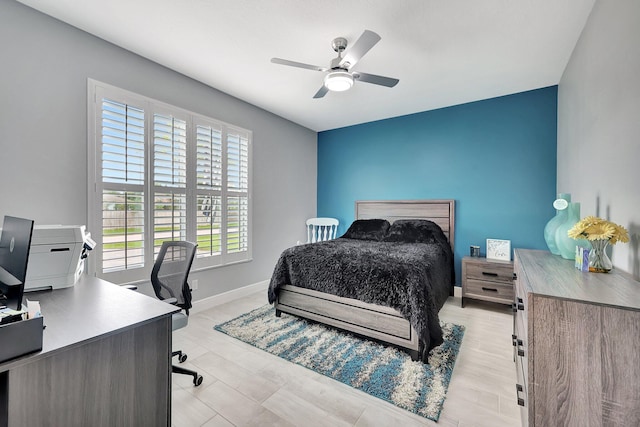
(457, 292)
(215, 300)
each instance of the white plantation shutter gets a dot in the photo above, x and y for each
(169, 179)
(169, 151)
(163, 173)
(122, 143)
(209, 166)
(169, 218)
(237, 192)
(122, 170)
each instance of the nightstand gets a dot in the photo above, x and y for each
(487, 280)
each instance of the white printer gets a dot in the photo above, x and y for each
(56, 258)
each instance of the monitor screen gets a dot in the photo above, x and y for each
(15, 243)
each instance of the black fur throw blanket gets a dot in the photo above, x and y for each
(413, 278)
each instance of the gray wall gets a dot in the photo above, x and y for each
(43, 136)
(599, 122)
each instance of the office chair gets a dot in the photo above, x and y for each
(169, 280)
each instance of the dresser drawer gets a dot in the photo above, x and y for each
(493, 272)
(489, 291)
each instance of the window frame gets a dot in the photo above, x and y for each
(96, 91)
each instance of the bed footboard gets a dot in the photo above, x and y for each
(370, 320)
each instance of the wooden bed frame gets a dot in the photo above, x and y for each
(370, 320)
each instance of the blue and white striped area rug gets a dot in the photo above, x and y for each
(383, 372)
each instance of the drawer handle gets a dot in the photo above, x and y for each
(489, 289)
(517, 307)
(488, 273)
(519, 390)
(518, 343)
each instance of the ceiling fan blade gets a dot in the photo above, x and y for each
(321, 92)
(298, 64)
(367, 40)
(375, 79)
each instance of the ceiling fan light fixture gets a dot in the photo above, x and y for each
(338, 81)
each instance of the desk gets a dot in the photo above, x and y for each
(105, 361)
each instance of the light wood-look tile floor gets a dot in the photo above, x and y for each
(244, 386)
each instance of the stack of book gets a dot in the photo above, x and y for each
(582, 258)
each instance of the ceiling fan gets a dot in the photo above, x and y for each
(339, 76)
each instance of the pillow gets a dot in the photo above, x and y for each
(415, 231)
(367, 229)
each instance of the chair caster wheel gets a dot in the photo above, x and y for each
(182, 358)
(197, 380)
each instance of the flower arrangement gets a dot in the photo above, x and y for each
(594, 228)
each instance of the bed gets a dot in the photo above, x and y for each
(391, 322)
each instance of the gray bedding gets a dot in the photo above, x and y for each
(413, 278)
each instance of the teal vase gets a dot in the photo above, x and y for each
(556, 221)
(566, 245)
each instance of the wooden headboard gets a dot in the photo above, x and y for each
(442, 212)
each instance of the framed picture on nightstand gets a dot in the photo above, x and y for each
(499, 250)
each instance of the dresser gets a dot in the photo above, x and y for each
(487, 280)
(576, 343)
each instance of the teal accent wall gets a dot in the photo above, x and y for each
(496, 158)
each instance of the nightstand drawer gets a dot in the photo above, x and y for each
(494, 272)
(490, 291)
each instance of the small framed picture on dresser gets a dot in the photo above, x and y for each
(499, 250)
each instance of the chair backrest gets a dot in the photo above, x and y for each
(171, 271)
(321, 229)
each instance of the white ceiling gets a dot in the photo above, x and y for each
(445, 52)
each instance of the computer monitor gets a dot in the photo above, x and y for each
(15, 243)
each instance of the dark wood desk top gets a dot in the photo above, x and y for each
(91, 309)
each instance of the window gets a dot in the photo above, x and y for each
(163, 173)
